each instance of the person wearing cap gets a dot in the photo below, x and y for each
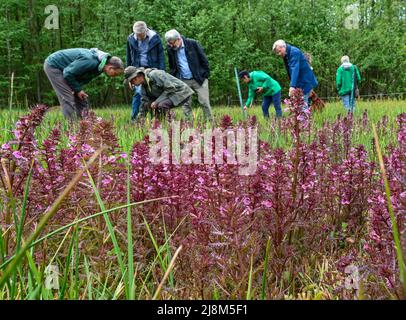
(159, 90)
(261, 83)
(299, 71)
(144, 49)
(347, 81)
(188, 62)
(70, 69)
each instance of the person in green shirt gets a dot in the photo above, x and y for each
(261, 83)
(347, 81)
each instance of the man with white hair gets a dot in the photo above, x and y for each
(144, 49)
(347, 81)
(188, 62)
(300, 74)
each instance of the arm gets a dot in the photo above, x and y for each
(145, 101)
(204, 63)
(169, 88)
(171, 61)
(128, 53)
(161, 56)
(75, 69)
(358, 74)
(251, 95)
(338, 79)
(266, 81)
(294, 66)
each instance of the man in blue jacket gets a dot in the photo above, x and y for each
(144, 49)
(188, 62)
(68, 70)
(300, 73)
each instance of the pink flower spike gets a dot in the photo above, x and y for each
(6, 146)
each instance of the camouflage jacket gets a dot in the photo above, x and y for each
(159, 86)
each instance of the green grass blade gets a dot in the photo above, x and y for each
(168, 271)
(395, 230)
(144, 281)
(250, 279)
(130, 258)
(117, 250)
(67, 263)
(168, 253)
(24, 208)
(268, 248)
(157, 249)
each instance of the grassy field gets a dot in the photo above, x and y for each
(128, 133)
(134, 254)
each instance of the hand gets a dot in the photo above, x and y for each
(245, 108)
(154, 105)
(291, 91)
(82, 95)
(259, 89)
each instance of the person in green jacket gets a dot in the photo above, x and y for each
(347, 81)
(261, 83)
(70, 69)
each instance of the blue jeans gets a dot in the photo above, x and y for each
(276, 100)
(136, 102)
(348, 104)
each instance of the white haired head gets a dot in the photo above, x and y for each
(173, 39)
(278, 43)
(279, 47)
(172, 35)
(140, 27)
(345, 59)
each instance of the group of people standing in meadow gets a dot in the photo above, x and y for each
(156, 91)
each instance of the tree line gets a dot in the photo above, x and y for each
(234, 33)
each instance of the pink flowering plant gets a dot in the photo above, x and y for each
(320, 200)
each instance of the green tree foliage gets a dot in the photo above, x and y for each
(233, 32)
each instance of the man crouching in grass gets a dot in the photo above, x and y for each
(68, 70)
(160, 91)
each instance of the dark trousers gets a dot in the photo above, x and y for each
(161, 109)
(276, 100)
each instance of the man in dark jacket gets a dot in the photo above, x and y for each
(159, 90)
(188, 62)
(144, 49)
(300, 74)
(68, 70)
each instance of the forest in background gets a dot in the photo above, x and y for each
(234, 33)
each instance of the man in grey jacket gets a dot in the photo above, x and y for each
(160, 91)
